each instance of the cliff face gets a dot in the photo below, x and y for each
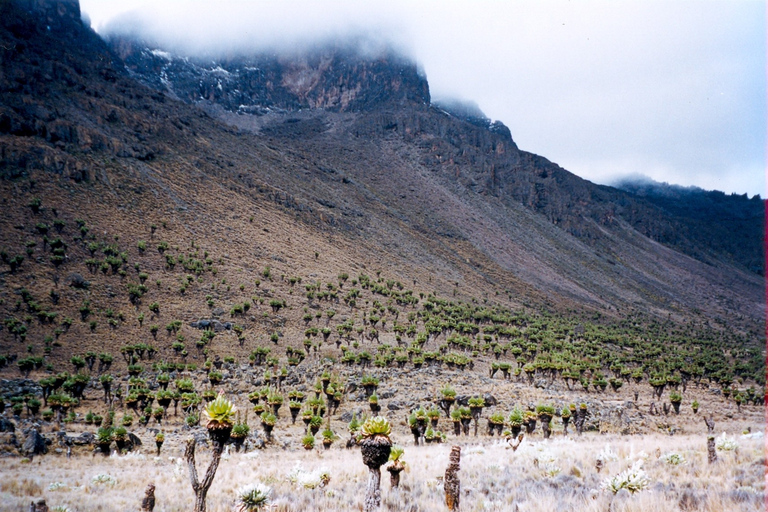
(334, 78)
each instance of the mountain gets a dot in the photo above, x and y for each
(140, 172)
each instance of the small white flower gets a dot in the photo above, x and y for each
(104, 479)
(725, 443)
(309, 479)
(607, 455)
(55, 486)
(551, 469)
(633, 480)
(673, 458)
(253, 497)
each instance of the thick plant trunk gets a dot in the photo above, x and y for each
(451, 482)
(545, 426)
(373, 491)
(711, 451)
(394, 475)
(201, 488)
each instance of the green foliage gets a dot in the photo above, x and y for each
(376, 426)
(396, 453)
(516, 417)
(219, 413)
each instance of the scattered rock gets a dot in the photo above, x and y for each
(133, 442)
(213, 324)
(34, 444)
(490, 400)
(7, 425)
(83, 439)
(75, 280)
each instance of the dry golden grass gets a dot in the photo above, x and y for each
(558, 474)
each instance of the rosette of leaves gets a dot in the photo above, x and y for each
(215, 377)
(328, 437)
(308, 441)
(456, 419)
(375, 447)
(545, 414)
(219, 418)
(104, 439)
(465, 415)
(516, 419)
(529, 420)
(676, 399)
(373, 403)
(120, 437)
(294, 407)
(495, 423)
(296, 396)
(396, 466)
(429, 435)
(159, 440)
(369, 384)
(275, 400)
(189, 401)
(476, 405)
(268, 420)
(164, 398)
(253, 497)
(254, 397)
(163, 380)
(434, 416)
(306, 415)
(315, 422)
(239, 432)
(565, 415)
(417, 428)
(185, 385)
(695, 406)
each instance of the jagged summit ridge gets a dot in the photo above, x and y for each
(333, 77)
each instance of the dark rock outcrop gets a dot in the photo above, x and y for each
(34, 443)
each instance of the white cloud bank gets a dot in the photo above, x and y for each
(674, 90)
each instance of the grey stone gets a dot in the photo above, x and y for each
(34, 443)
(75, 280)
(394, 406)
(7, 425)
(387, 393)
(83, 439)
(133, 442)
(490, 400)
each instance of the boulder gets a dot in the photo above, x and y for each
(34, 444)
(7, 425)
(490, 400)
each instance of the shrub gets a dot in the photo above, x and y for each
(633, 480)
(253, 497)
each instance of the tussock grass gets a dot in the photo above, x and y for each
(558, 474)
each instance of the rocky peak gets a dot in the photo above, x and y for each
(56, 15)
(334, 77)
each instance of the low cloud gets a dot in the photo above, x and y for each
(657, 88)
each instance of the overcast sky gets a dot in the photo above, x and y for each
(673, 90)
